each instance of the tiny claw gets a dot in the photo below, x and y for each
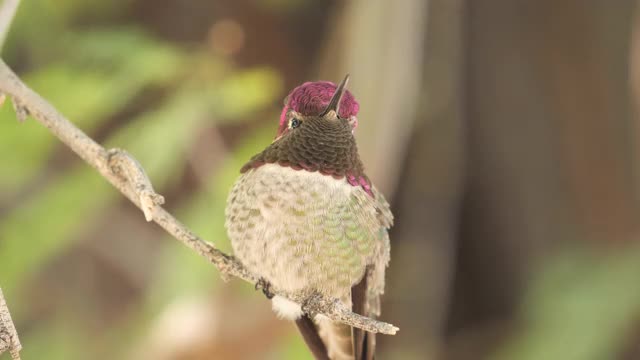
(266, 288)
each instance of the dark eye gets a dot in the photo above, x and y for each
(294, 123)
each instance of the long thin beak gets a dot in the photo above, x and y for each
(334, 104)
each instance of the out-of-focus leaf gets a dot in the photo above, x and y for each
(84, 95)
(55, 339)
(23, 149)
(43, 225)
(57, 17)
(87, 95)
(578, 307)
(242, 93)
(73, 9)
(137, 56)
(26, 30)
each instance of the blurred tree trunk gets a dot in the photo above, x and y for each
(429, 192)
(549, 150)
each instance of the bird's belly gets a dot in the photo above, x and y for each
(291, 228)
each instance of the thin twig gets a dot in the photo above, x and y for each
(7, 12)
(8, 335)
(126, 174)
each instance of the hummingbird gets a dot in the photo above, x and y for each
(304, 216)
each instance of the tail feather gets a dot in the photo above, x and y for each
(310, 335)
(358, 300)
(363, 342)
(337, 338)
(335, 341)
(364, 345)
(370, 347)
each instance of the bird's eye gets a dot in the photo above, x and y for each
(294, 123)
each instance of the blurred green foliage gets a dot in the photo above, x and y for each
(579, 307)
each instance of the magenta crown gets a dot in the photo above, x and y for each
(311, 98)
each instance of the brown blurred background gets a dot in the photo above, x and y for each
(503, 132)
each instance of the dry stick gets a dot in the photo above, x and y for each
(126, 174)
(8, 335)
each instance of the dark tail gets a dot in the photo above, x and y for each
(312, 338)
(364, 343)
(342, 339)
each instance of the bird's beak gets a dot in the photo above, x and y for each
(333, 109)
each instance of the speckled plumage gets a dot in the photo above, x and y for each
(300, 229)
(303, 215)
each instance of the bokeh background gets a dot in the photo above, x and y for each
(503, 132)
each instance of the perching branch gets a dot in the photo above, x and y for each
(126, 174)
(8, 335)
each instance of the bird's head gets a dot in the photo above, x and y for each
(318, 99)
(315, 134)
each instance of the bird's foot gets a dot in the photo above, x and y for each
(265, 286)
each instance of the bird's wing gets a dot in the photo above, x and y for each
(376, 273)
(365, 296)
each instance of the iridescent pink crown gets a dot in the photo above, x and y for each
(311, 98)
